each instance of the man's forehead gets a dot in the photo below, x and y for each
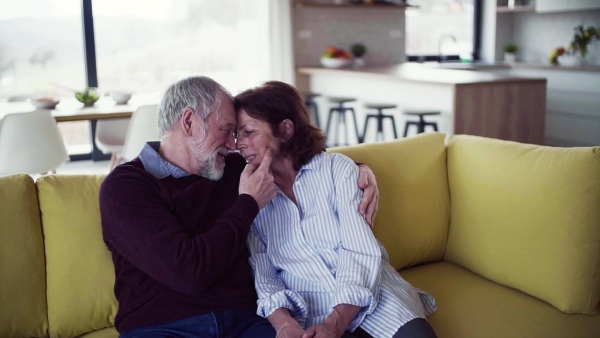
(225, 115)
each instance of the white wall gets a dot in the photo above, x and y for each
(537, 34)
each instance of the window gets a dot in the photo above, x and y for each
(40, 44)
(443, 28)
(140, 46)
(144, 48)
(41, 50)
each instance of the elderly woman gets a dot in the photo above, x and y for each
(318, 269)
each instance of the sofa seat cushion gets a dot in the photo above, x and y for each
(527, 217)
(80, 271)
(414, 202)
(110, 332)
(22, 272)
(470, 306)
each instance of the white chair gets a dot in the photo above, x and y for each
(143, 128)
(30, 143)
(19, 98)
(110, 137)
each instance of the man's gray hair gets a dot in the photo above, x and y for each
(200, 93)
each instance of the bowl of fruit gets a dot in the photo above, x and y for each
(335, 57)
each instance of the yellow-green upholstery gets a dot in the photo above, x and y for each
(528, 217)
(22, 272)
(414, 204)
(110, 332)
(504, 235)
(470, 306)
(78, 264)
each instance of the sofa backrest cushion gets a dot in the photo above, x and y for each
(22, 267)
(412, 222)
(528, 217)
(80, 272)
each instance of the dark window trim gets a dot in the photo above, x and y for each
(91, 75)
(89, 43)
(477, 27)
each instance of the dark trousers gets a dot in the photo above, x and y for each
(221, 324)
(416, 328)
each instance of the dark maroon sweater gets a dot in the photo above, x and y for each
(178, 244)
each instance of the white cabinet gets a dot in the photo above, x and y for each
(572, 101)
(565, 5)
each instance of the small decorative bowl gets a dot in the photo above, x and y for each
(334, 62)
(120, 97)
(44, 102)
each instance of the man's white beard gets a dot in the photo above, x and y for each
(209, 165)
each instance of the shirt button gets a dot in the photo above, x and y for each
(297, 183)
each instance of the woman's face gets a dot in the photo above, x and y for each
(254, 137)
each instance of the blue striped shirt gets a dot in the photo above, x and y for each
(320, 253)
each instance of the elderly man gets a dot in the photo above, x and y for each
(176, 220)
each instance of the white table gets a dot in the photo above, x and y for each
(69, 110)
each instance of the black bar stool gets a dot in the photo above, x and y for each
(341, 110)
(311, 105)
(421, 124)
(380, 117)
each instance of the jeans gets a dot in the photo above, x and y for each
(221, 324)
(416, 328)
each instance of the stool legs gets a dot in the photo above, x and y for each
(341, 110)
(312, 108)
(379, 117)
(358, 138)
(406, 125)
(421, 124)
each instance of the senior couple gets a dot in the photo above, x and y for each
(272, 240)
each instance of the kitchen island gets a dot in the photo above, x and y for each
(475, 103)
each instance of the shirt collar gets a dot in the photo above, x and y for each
(314, 163)
(158, 166)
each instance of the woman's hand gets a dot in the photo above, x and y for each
(370, 202)
(335, 325)
(323, 330)
(284, 324)
(290, 331)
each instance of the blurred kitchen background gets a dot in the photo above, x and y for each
(143, 46)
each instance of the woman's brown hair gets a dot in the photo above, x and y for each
(275, 101)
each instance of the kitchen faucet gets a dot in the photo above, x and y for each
(440, 41)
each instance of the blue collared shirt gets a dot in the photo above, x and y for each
(158, 166)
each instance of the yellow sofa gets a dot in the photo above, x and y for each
(505, 236)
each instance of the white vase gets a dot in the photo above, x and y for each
(510, 57)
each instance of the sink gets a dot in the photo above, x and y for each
(463, 65)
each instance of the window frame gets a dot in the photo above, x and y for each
(477, 28)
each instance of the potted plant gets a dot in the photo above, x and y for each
(358, 50)
(582, 38)
(88, 96)
(510, 50)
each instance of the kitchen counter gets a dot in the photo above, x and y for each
(426, 73)
(584, 68)
(472, 102)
